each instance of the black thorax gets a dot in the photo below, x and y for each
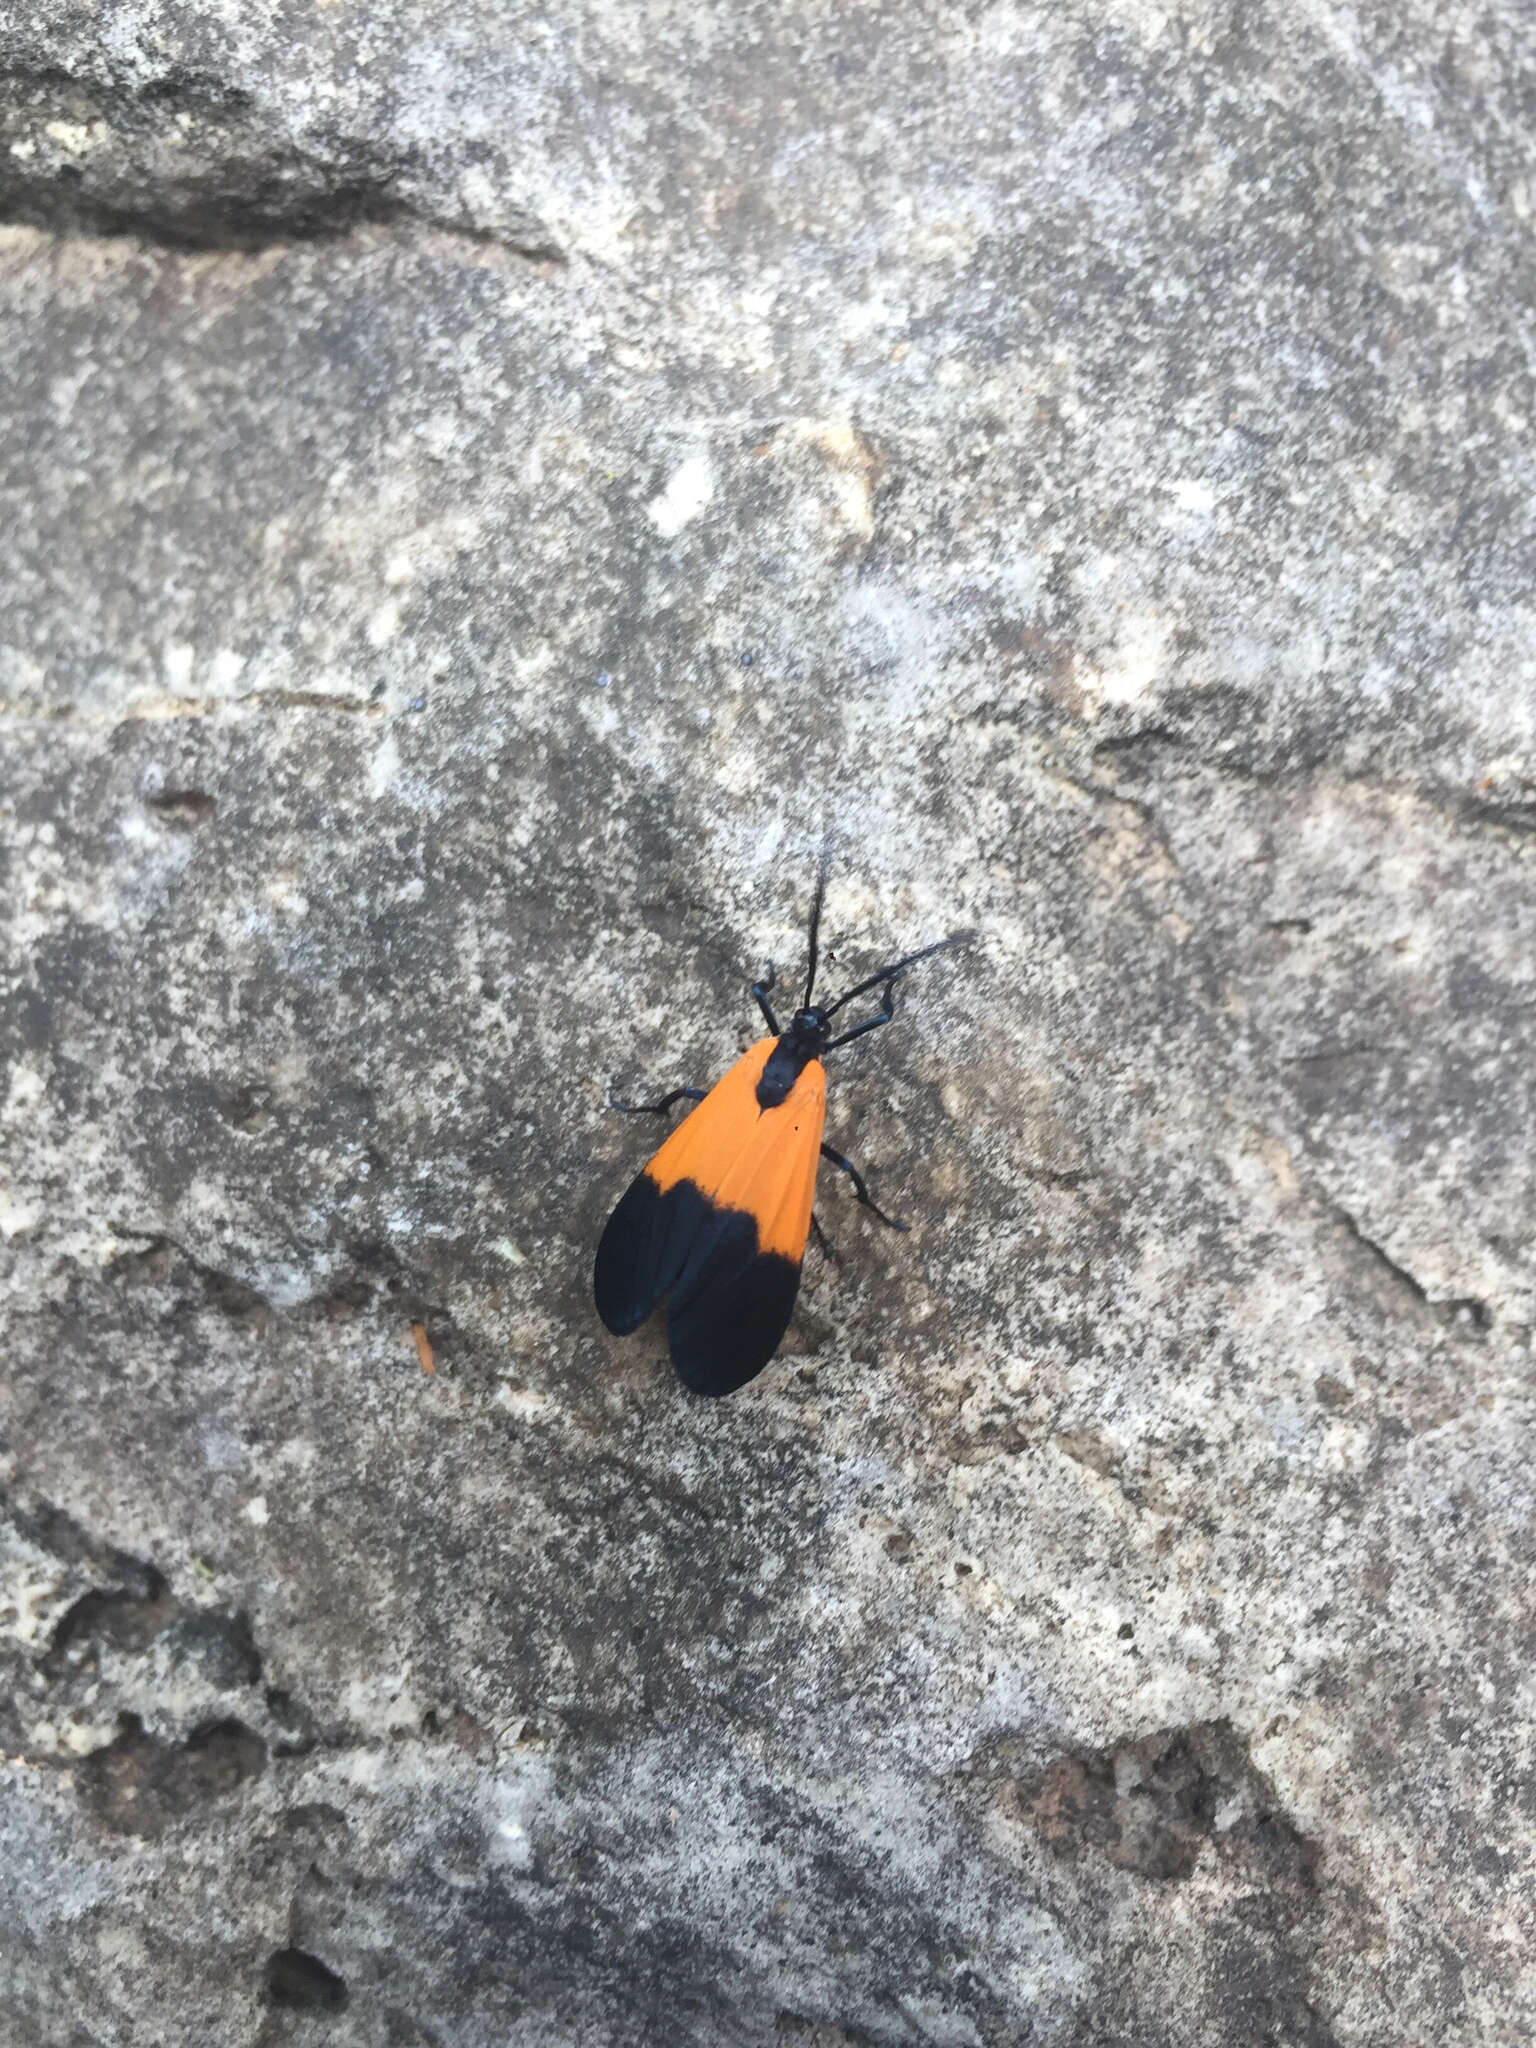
(804, 1041)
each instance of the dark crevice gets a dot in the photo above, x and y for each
(232, 1298)
(182, 809)
(1382, 1260)
(1468, 1310)
(315, 700)
(1121, 798)
(140, 1786)
(51, 1529)
(1516, 815)
(153, 1258)
(161, 1261)
(221, 1646)
(347, 1298)
(301, 1982)
(795, 2027)
(292, 1717)
(1464, 1311)
(1327, 1053)
(1144, 737)
(1144, 751)
(124, 1617)
(190, 162)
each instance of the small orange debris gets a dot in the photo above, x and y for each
(423, 1347)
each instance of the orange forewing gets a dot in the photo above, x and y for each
(761, 1162)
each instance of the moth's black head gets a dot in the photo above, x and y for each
(810, 1027)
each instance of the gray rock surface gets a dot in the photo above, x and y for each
(481, 489)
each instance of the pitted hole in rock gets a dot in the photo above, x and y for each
(220, 1757)
(140, 1786)
(1153, 1806)
(182, 810)
(248, 1106)
(302, 1983)
(125, 1618)
(221, 1648)
(232, 1299)
(297, 1734)
(340, 1303)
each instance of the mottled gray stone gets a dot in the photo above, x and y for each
(481, 491)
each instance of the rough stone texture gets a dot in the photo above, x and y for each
(480, 489)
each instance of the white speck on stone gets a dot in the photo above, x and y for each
(225, 670)
(514, 1845)
(75, 136)
(384, 767)
(1191, 495)
(514, 1801)
(1146, 22)
(384, 624)
(866, 316)
(177, 662)
(1130, 670)
(256, 1510)
(690, 489)
(16, 1217)
(284, 896)
(27, 1084)
(477, 195)
(1228, 1813)
(522, 1401)
(851, 497)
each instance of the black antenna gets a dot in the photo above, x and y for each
(822, 873)
(900, 966)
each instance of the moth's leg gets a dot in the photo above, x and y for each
(659, 1108)
(761, 990)
(874, 1023)
(859, 1188)
(824, 1243)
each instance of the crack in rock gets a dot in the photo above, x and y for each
(152, 1260)
(156, 1260)
(190, 161)
(1464, 1313)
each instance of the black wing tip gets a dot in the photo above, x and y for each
(728, 1304)
(725, 1325)
(713, 1383)
(624, 1270)
(619, 1322)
